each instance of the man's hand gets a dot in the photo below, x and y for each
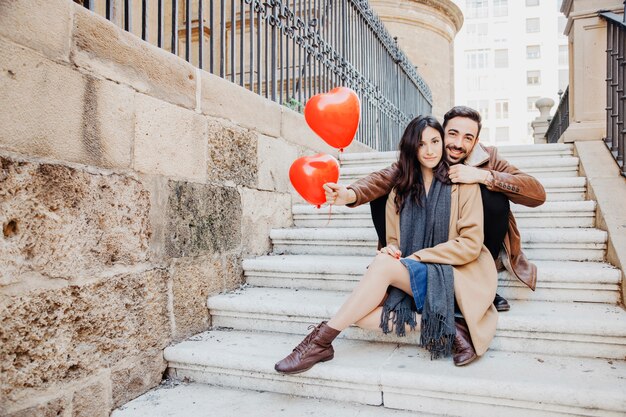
(465, 174)
(391, 250)
(338, 195)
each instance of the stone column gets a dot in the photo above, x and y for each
(541, 123)
(587, 62)
(426, 31)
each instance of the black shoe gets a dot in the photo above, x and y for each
(501, 303)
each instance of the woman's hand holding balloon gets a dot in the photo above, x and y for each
(338, 195)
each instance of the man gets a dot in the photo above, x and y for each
(471, 163)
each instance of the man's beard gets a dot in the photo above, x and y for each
(458, 159)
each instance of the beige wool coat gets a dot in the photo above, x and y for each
(475, 275)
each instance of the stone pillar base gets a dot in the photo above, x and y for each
(583, 131)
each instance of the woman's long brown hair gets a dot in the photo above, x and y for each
(408, 180)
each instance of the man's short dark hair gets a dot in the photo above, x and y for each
(462, 111)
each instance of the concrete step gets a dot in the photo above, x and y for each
(508, 152)
(557, 189)
(570, 329)
(403, 377)
(183, 399)
(550, 214)
(544, 167)
(556, 281)
(540, 244)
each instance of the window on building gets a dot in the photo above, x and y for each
(530, 102)
(501, 58)
(484, 135)
(477, 83)
(563, 55)
(533, 77)
(533, 25)
(477, 59)
(477, 8)
(481, 106)
(502, 134)
(533, 52)
(531, 3)
(563, 79)
(477, 32)
(500, 8)
(502, 109)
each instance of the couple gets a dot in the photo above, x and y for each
(445, 220)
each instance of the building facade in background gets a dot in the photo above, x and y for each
(508, 54)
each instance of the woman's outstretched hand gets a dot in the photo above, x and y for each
(391, 250)
(338, 195)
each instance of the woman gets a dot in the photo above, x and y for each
(438, 228)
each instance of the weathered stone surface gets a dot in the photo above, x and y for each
(262, 211)
(55, 336)
(53, 408)
(193, 280)
(275, 157)
(43, 25)
(61, 222)
(93, 399)
(233, 271)
(221, 98)
(53, 111)
(169, 140)
(135, 375)
(232, 154)
(202, 219)
(100, 46)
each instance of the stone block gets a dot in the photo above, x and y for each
(135, 375)
(49, 337)
(233, 271)
(275, 157)
(42, 25)
(193, 280)
(169, 140)
(262, 211)
(107, 50)
(202, 219)
(64, 223)
(224, 99)
(231, 154)
(52, 408)
(53, 111)
(93, 399)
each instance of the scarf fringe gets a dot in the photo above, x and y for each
(433, 336)
(399, 318)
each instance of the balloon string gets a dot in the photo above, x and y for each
(330, 210)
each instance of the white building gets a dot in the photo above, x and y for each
(508, 54)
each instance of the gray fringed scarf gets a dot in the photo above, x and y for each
(424, 227)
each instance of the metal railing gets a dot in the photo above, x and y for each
(288, 51)
(615, 80)
(560, 120)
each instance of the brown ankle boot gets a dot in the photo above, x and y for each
(316, 347)
(464, 352)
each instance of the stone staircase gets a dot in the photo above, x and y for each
(559, 351)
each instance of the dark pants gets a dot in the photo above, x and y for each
(496, 214)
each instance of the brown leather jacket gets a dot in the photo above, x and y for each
(520, 188)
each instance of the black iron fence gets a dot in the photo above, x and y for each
(560, 120)
(288, 51)
(615, 80)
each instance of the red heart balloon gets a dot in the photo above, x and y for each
(334, 116)
(309, 173)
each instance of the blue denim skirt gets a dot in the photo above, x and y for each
(418, 276)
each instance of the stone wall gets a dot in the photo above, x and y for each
(132, 185)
